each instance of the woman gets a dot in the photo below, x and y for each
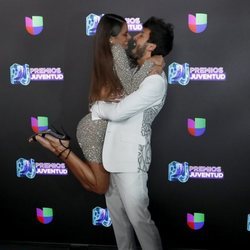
(112, 78)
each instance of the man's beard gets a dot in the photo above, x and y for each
(129, 52)
(134, 53)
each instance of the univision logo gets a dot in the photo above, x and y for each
(197, 23)
(196, 126)
(44, 215)
(34, 25)
(39, 123)
(195, 221)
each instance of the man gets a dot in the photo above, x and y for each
(127, 149)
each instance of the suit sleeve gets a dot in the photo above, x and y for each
(152, 89)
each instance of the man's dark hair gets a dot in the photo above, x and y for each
(161, 34)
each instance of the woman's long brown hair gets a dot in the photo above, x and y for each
(104, 80)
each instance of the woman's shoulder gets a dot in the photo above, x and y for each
(118, 50)
(117, 46)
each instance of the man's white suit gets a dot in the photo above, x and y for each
(127, 156)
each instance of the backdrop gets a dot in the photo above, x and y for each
(199, 177)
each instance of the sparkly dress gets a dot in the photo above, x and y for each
(90, 134)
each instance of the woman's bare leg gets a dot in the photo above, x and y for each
(92, 176)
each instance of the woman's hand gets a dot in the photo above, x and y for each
(159, 64)
(156, 70)
(158, 60)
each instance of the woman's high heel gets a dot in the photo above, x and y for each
(59, 135)
(65, 149)
(55, 133)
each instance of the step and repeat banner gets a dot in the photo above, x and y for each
(199, 177)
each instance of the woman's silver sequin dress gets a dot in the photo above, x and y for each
(90, 134)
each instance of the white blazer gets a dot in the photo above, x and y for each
(127, 141)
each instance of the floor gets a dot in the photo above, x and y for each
(44, 246)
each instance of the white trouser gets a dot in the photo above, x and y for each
(127, 201)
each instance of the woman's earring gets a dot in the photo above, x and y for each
(111, 42)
